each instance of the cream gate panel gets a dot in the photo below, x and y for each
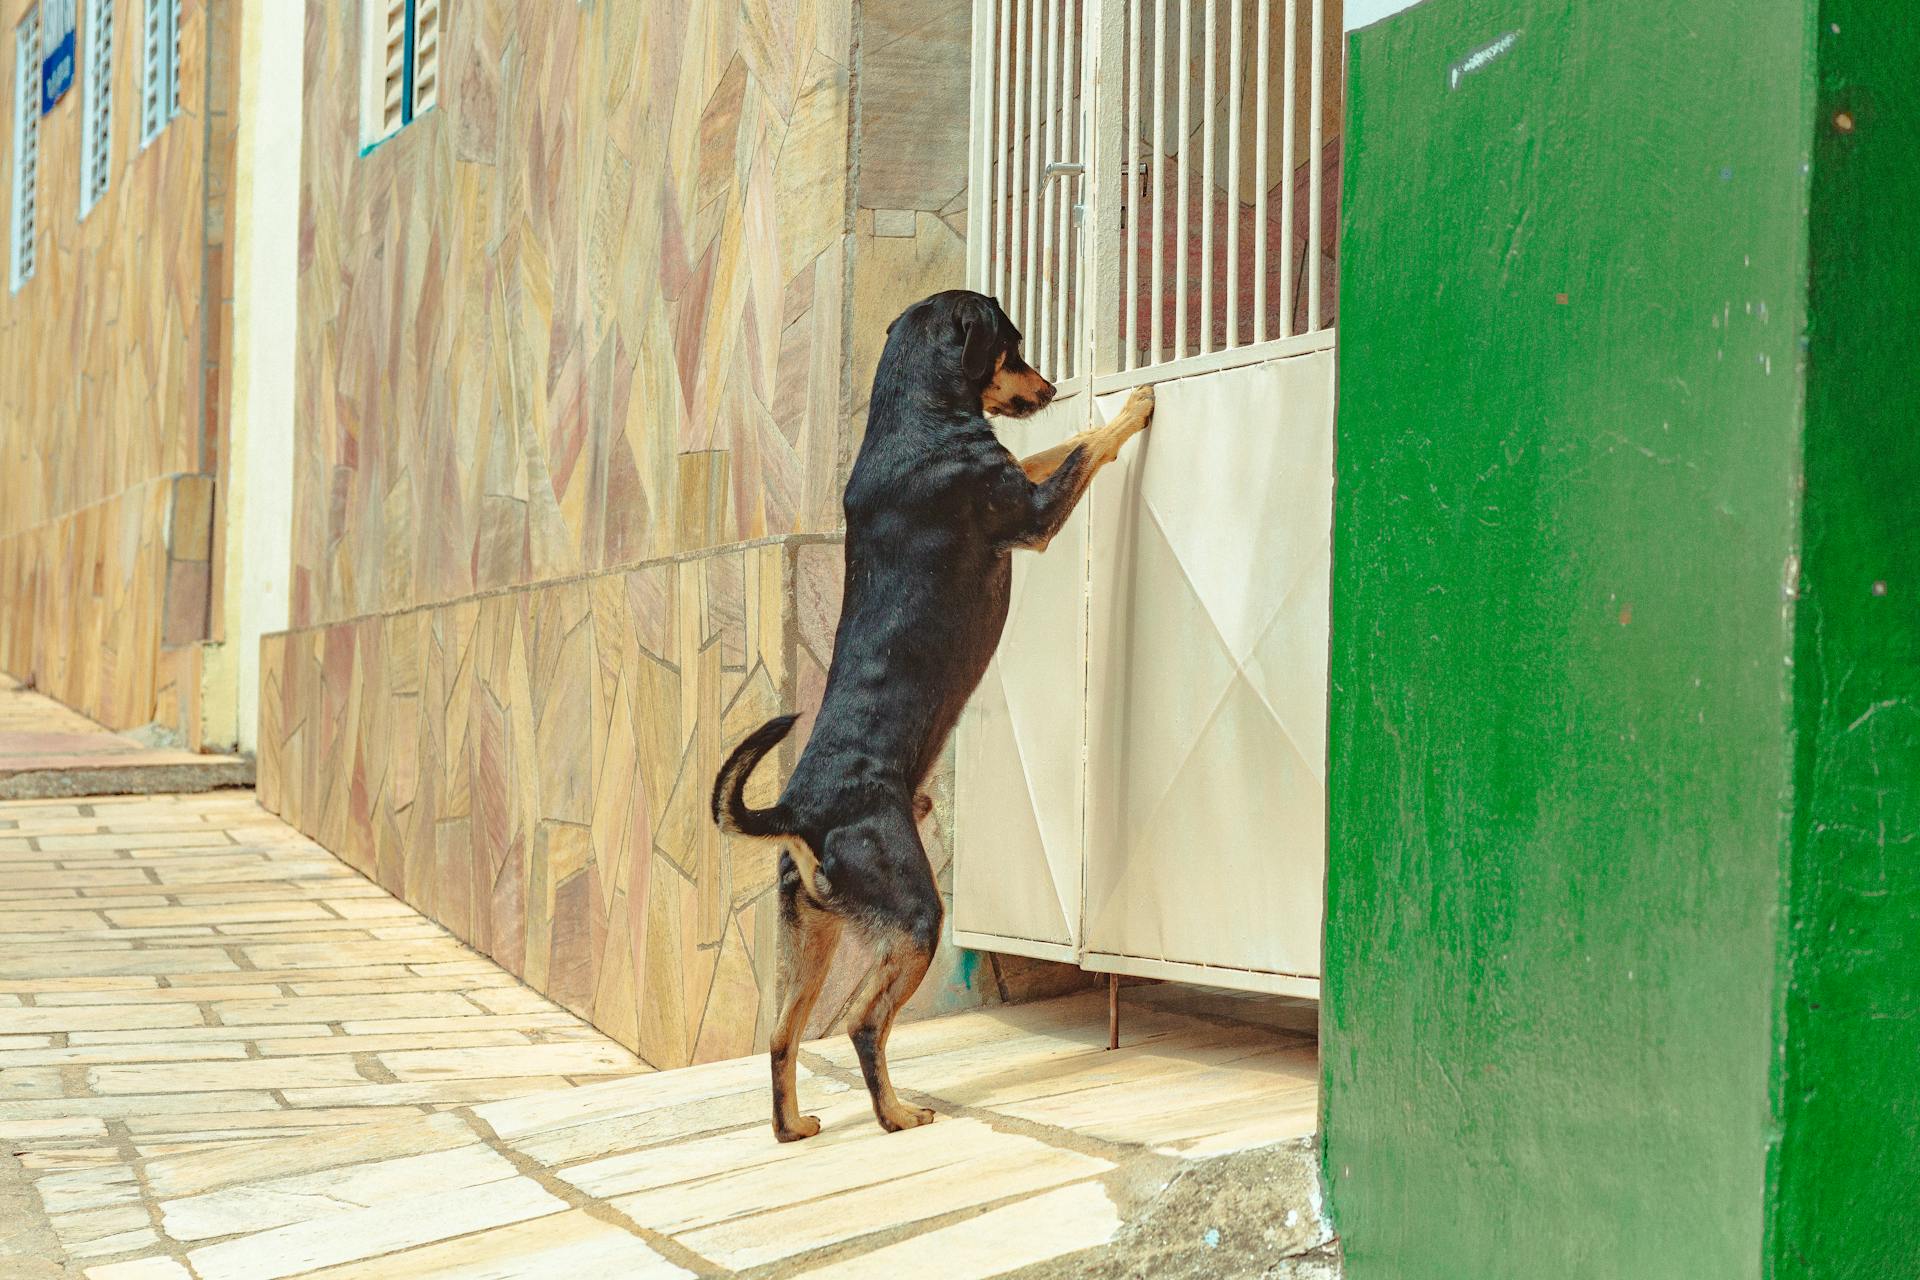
(1021, 784)
(1207, 678)
(1141, 773)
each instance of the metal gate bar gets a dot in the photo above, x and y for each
(1078, 152)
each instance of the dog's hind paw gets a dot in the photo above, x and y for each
(803, 1127)
(894, 1119)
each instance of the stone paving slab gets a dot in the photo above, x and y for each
(50, 751)
(186, 1093)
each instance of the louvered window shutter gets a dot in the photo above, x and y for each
(154, 94)
(173, 60)
(26, 147)
(426, 55)
(96, 156)
(393, 80)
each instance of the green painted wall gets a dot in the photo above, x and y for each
(1562, 765)
(1847, 1179)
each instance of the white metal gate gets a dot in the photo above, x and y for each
(1141, 776)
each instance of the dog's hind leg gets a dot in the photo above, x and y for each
(809, 935)
(903, 958)
(900, 911)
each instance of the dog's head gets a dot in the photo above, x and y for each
(990, 358)
(979, 350)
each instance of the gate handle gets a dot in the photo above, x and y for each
(1063, 168)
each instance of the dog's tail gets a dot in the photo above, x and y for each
(730, 808)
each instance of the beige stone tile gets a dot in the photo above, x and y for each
(235, 1013)
(84, 1226)
(388, 1043)
(1050, 1225)
(529, 1060)
(564, 1246)
(140, 1269)
(405, 932)
(1206, 1113)
(424, 1092)
(176, 994)
(364, 1233)
(52, 1129)
(194, 1035)
(274, 977)
(699, 1182)
(340, 933)
(136, 842)
(397, 986)
(1201, 1062)
(214, 1077)
(319, 955)
(242, 1126)
(121, 1242)
(107, 938)
(37, 963)
(226, 870)
(190, 1174)
(472, 966)
(155, 896)
(514, 999)
(13, 923)
(742, 1240)
(71, 1157)
(492, 1021)
(615, 1100)
(371, 908)
(36, 986)
(94, 1188)
(98, 1017)
(30, 1082)
(695, 1115)
(134, 917)
(279, 1202)
(311, 888)
(25, 880)
(87, 1055)
(123, 1106)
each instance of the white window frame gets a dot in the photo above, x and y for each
(159, 69)
(399, 65)
(96, 94)
(28, 59)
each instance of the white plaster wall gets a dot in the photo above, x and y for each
(1363, 13)
(267, 214)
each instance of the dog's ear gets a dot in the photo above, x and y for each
(979, 337)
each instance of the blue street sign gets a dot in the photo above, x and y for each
(56, 43)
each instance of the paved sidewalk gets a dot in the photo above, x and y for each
(48, 750)
(224, 1054)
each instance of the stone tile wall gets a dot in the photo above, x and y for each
(112, 389)
(583, 357)
(585, 313)
(532, 769)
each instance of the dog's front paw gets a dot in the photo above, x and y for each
(1140, 405)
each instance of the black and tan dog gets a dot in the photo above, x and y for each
(935, 508)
